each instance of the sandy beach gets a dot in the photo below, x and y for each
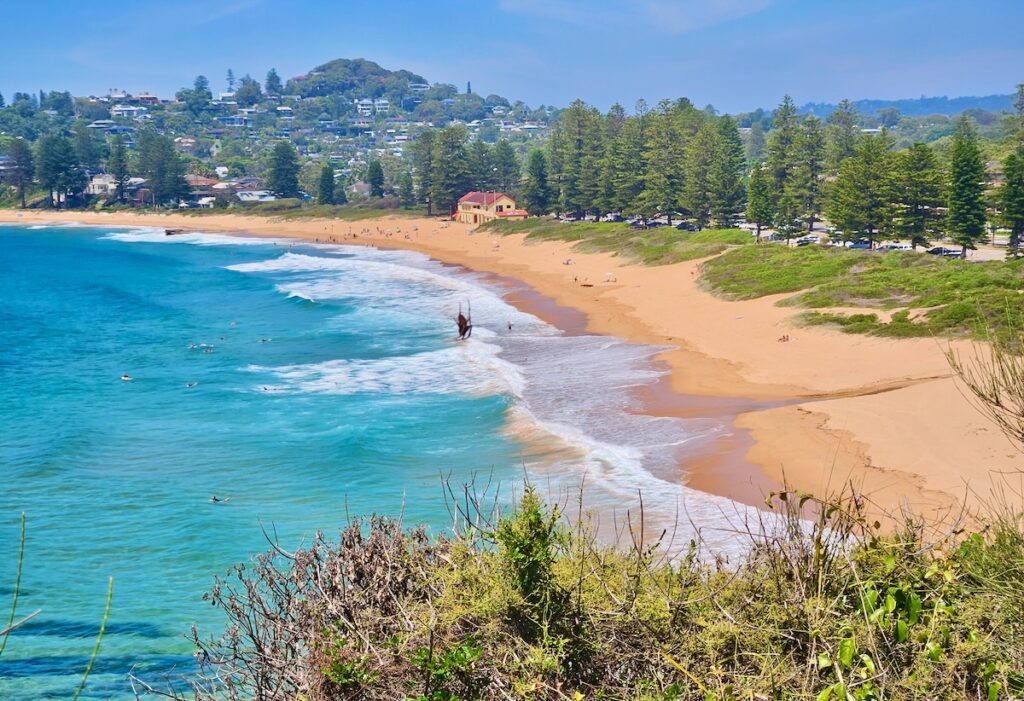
(818, 411)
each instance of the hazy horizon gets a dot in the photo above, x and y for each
(734, 54)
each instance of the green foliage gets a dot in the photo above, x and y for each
(375, 178)
(160, 165)
(966, 218)
(949, 296)
(661, 246)
(826, 604)
(917, 191)
(860, 199)
(283, 178)
(535, 192)
(1010, 199)
(325, 191)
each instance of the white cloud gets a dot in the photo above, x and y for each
(665, 16)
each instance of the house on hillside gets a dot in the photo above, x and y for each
(481, 207)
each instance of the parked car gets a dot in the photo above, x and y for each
(894, 247)
(686, 226)
(807, 240)
(862, 244)
(945, 252)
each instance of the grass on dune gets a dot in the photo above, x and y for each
(660, 246)
(929, 295)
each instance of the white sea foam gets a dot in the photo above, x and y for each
(195, 238)
(573, 394)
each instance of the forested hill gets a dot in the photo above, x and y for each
(353, 78)
(921, 106)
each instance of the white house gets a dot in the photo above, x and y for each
(128, 111)
(252, 196)
(381, 105)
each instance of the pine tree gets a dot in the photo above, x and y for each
(117, 166)
(860, 199)
(88, 149)
(325, 192)
(843, 134)
(2, 103)
(755, 144)
(668, 163)
(1018, 106)
(966, 218)
(57, 169)
(231, 80)
(21, 168)
(760, 203)
(726, 176)
(423, 164)
(451, 176)
(283, 179)
(162, 168)
(375, 178)
(406, 191)
(805, 185)
(781, 156)
(506, 167)
(273, 83)
(481, 167)
(700, 154)
(917, 192)
(1010, 198)
(535, 194)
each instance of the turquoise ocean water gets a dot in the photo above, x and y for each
(326, 382)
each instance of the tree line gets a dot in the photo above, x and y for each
(61, 165)
(680, 161)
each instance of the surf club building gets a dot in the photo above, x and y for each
(481, 207)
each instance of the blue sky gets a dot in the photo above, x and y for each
(734, 54)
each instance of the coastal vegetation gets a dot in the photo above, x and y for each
(921, 295)
(657, 246)
(525, 604)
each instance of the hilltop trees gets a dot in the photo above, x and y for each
(198, 98)
(283, 179)
(249, 92)
(535, 193)
(966, 204)
(917, 195)
(272, 84)
(325, 191)
(21, 167)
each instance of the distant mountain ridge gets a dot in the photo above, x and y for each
(920, 107)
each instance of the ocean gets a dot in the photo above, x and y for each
(304, 384)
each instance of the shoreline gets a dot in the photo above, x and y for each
(827, 409)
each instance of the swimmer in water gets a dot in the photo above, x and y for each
(190, 385)
(126, 377)
(217, 500)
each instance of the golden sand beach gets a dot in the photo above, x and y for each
(818, 411)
